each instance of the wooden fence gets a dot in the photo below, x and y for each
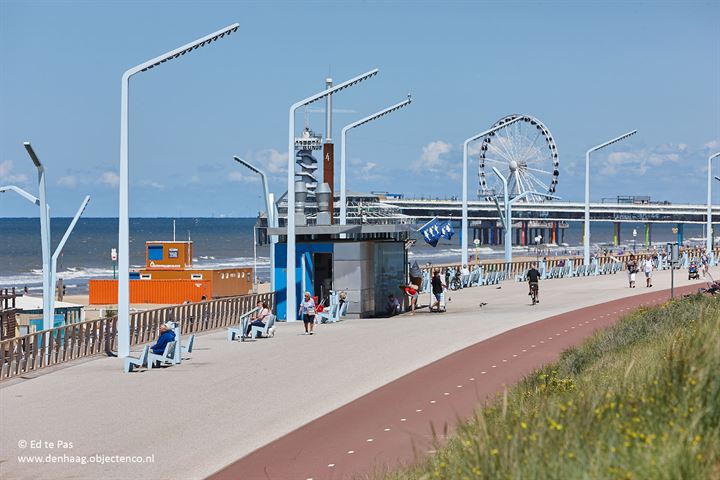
(38, 350)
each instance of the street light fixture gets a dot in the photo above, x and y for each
(270, 217)
(291, 294)
(586, 236)
(123, 322)
(44, 237)
(53, 262)
(464, 228)
(343, 143)
(58, 250)
(709, 240)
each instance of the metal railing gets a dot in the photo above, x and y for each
(21, 355)
(521, 266)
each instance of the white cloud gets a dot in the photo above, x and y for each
(274, 161)
(638, 162)
(712, 145)
(69, 181)
(6, 174)
(367, 171)
(152, 184)
(433, 160)
(109, 178)
(239, 177)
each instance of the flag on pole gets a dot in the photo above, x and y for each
(446, 230)
(431, 232)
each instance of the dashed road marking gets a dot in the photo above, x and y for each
(350, 452)
(331, 465)
(403, 419)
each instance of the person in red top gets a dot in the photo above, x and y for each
(412, 295)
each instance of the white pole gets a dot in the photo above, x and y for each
(343, 158)
(255, 259)
(709, 228)
(464, 223)
(44, 239)
(61, 245)
(586, 236)
(508, 215)
(586, 224)
(271, 217)
(464, 232)
(123, 320)
(290, 286)
(343, 192)
(290, 293)
(273, 241)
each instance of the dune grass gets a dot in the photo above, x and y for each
(640, 400)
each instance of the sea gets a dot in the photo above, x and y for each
(228, 242)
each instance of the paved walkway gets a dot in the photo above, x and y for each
(233, 398)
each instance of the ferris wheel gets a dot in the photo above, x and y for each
(525, 153)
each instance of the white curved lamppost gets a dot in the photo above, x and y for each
(123, 322)
(343, 158)
(290, 285)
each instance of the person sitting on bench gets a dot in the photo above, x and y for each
(257, 319)
(166, 336)
(393, 305)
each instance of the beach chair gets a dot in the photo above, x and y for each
(188, 347)
(168, 356)
(475, 277)
(266, 330)
(132, 362)
(327, 315)
(240, 330)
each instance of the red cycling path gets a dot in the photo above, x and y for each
(394, 424)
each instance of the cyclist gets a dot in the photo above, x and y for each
(533, 276)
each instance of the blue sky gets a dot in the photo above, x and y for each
(588, 70)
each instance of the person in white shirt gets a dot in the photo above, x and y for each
(464, 276)
(648, 271)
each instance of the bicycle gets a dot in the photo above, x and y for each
(455, 282)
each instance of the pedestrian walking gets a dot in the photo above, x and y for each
(437, 289)
(307, 311)
(648, 268)
(632, 269)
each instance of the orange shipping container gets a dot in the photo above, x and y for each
(104, 292)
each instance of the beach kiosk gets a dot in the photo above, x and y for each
(368, 262)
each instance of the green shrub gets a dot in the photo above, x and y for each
(638, 400)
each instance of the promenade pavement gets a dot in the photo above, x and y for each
(232, 398)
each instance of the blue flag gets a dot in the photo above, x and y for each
(431, 232)
(446, 230)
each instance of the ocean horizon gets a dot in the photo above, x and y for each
(227, 242)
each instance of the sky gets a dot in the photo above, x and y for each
(589, 71)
